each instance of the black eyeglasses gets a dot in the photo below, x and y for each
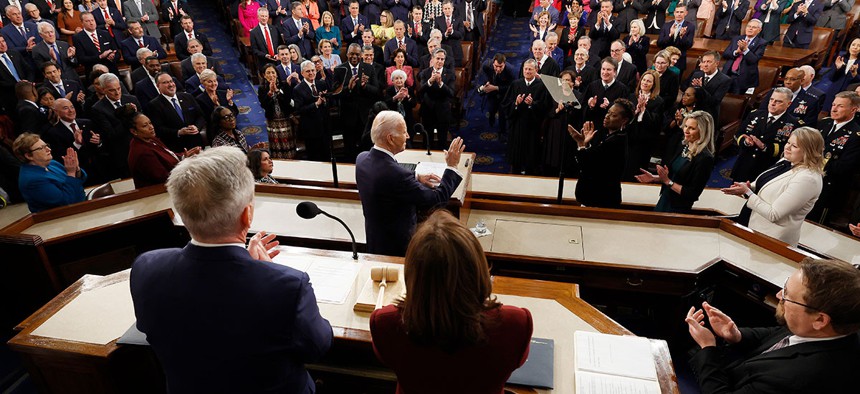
(46, 146)
(785, 297)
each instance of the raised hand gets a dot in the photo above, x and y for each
(646, 177)
(262, 246)
(696, 325)
(70, 162)
(722, 324)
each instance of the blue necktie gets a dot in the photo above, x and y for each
(56, 52)
(178, 109)
(61, 90)
(11, 67)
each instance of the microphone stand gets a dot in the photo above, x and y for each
(354, 250)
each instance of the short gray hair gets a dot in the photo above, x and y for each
(107, 77)
(44, 27)
(783, 90)
(384, 124)
(755, 21)
(808, 70)
(639, 24)
(198, 55)
(440, 50)
(211, 190)
(307, 64)
(398, 73)
(143, 53)
(30, 6)
(539, 43)
(208, 74)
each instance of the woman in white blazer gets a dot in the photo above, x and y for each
(782, 195)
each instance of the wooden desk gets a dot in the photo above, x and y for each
(57, 364)
(777, 56)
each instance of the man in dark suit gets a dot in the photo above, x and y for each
(378, 69)
(401, 41)
(181, 39)
(114, 134)
(452, 30)
(12, 70)
(110, 19)
(172, 11)
(419, 30)
(399, 8)
(498, 75)
(280, 10)
(194, 46)
(602, 30)
(137, 40)
(742, 57)
(814, 350)
(432, 46)
(601, 156)
(312, 106)
(352, 25)
(678, 33)
(52, 50)
(472, 12)
(61, 87)
(436, 88)
(802, 18)
(146, 88)
(21, 36)
(265, 40)
(585, 73)
(390, 195)
(545, 64)
(730, 14)
(714, 83)
(5, 3)
(627, 11)
(762, 136)
(600, 94)
(297, 30)
(803, 106)
(841, 154)
(145, 12)
(359, 91)
(28, 117)
(286, 67)
(192, 85)
(655, 17)
(79, 134)
(178, 123)
(626, 72)
(182, 321)
(95, 46)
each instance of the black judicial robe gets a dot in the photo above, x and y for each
(525, 123)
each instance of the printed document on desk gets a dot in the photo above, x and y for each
(425, 167)
(331, 278)
(614, 364)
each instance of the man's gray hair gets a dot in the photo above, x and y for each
(783, 90)
(307, 64)
(438, 50)
(10, 7)
(107, 77)
(30, 6)
(44, 27)
(533, 62)
(584, 38)
(143, 53)
(755, 21)
(551, 34)
(262, 10)
(385, 124)
(808, 71)
(539, 43)
(210, 191)
(198, 55)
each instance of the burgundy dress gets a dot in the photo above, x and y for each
(150, 163)
(475, 369)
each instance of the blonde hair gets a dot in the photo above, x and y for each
(639, 24)
(811, 143)
(389, 19)
(322, 19)
(705, 123)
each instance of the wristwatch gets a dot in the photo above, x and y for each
(671, 182)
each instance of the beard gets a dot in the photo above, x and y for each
(780, 313)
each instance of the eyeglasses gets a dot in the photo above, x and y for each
(46, 147)
(785, 297)
(228, 116)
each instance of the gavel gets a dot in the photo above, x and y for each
(383, 275)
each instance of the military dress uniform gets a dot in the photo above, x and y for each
(841, 157)
(774, 133)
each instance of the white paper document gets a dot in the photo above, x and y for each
(425, 167)
(614, 364)
(331, 278)
(593, 383)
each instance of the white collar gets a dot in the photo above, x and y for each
(208, 245)
(377, 147)
(529, 82)
(608, 85)
(712, 75)
(775, 117)
(796, 340)
(168, 97)
(68, 124)
(839, 125)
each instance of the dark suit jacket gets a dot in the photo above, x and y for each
(681, 42)
(804, 107)
(188, 68)
(313, 120)
(693, 175)
(730, 18)
(567, 44)
(811, 367)
(715, 90)
(30, 118)
(61, 139)
(356, 103)
(69, 86)
(259, 46)
(799, 33)
(88, 54)
(115, 136)
(119, 28)
(655, 14)
(601, 37)
(436, 100)
(129, 49)
(347, 26)
(182, 313)
(628, 75)
(616, 91)
(752, 162)
(586, 75)
(411, 51)
(390, 195)
(167, 7)
(843, 149)
(290, 35)
(282, 74)
(601, 167)
(453, 40)
(548, 67)
(180, 44)
(140, 73)
(669, 88)
(503, 80)
(167, 122)
(400, 9)
(4, 3)
(747, 75)
(7, 80)
(14, 39)
(193, 86)
(207, 106)
(478, 7)
(449, 60)
(627, 13)
(41, 55)
(420, 39)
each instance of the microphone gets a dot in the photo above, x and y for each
(309, 210)
(419, 128)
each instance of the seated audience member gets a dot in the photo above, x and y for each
(298, 30)
(147, 89)
(812, 351)
(841, 74)
(224, 124)
(452, 31)
(436, 89)
(52, 50)
(499, 75)
(644, 128)
(780, 198)
(276, 98)
(600, 94)
(28, 117)
(729, 16)
(742, 57)
(180, 41)
(193, 84)
(399, 97)
(261, 166)
(601, 156)
(110, 19)
(214, 96)
(264, 40)
(803, 106)
(390, 194)
(149, 160)
(182, 311)
(194, 46)
(715, 83)
(176, 116)
(145, 13)
(802, 17)
(137, 40)
(687, 165)
(449, 324)
(602, 30)
(399, 63)
(638, 45)
(95, 46)
(45, 183)
(762, 135)
(106, 120)
(679, 33)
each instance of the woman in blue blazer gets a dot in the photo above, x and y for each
(46, 183)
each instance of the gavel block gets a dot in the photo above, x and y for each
(390, 289)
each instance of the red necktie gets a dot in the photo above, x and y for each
(96, 42)
(140, 42)
(107, 16)
(269, 42)
(538, 67)
(190, 36)
(51, 5)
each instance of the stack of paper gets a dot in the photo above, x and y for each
(614, 364)
(331, 278)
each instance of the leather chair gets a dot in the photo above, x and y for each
(176, 70)
(700, 27)
(166, 37)
(767, 78)
(732, 110)
(468, 56)
(822, 37)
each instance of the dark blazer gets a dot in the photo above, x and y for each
(8, 81)
(283, 98)
(290, 35)
(842, 154)
(477, 29)
(628, 75)
(167, 7)
(14, 39)
(568, 44)
(69, 86)
(145, 91)
(549, 67)
(639, 52)
(411, 51)
(811, 367)
(355, 103)
(503, 80)
(669, 88)
(180, 44)
(61, 139)
(715, 90)
(616, 91)
(729, 19)
(752, 162)
(371, 9)
(626, 13)
(88, 54)
(167, 122)
(30, 118)
(804, 106)
(405, 105)
(193, 86)
(259, 47)
(601, 166)
(747, 75)
(313, 121)
(188, 68)
(454, 40)
(399, 8)
(4, 3)
(683, 43)
(420, 39)
(799, 32)
(390, 196)
(436, 100)
(449, 60)
(114, 134)
(119, 28)
(140, 73)
(182, 313)
(693, 175)
(655, 15)
(276, 18)
(601, 38)
(347, 26)
(282, 74)
(586, 75)
(835, 13)
(207, 106)
(129, 49)
(41, 55)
